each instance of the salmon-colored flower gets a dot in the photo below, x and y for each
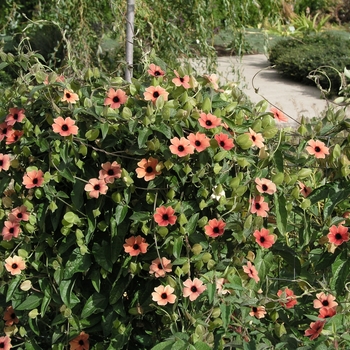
(181, 81)
(164, 295)
(95, 187)
(256, 138)
(135, 245)
(10, 317)
(278, 115)
(159, 267)
(153, 92)
(258, 311)
(69, 96)
(59, 79)
(212, 80)
(317, 148)
(209, 121)
(327, 312)
(324, 300)
(264, 238)
(199, 141)
(265, 186)
(147, 169)
(10, 230)
(5, 343)
(13, 136)
(224, 141)
(115, 98)
(164, 216)
(155, 71)
(220, 286)
(110, 172)
(251, 271)
(4, 130)
(34, 178)
(193, 289)
(315, 329)
(15, 265)
(15, 115)
(259, 206)
(4, 162)
(338, 234)
(64, 127)
(215, 228)
(81, 342)
(19, 214)
(304, 190)
(181, 147)
(288, 298)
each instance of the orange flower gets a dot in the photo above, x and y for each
(65, 127)
(80, 342)
(155, 71)
(95, 187)
(215, 228)
(224, 141)
(10, 317)
(259, 207)
(115, 98)
(15, 265)
(4, 130)
(69, 96)
(288, 298)
(209, 121)
(265, 186)
(317, 148)
(304, 190)
(258, 311)
(212, 80)
(324, 300)
(19, 214)
(5, 343)
(315, 329)
(153, 92)
(251, 271)
(193, 289)
(257, 139)
(160, 266)
(164, 216)
(181, 147)
(13, 136)
(278, 115)
(199, 141)
(15, 115)
(164, 295)
(4, 162)
(34, 178)
(10, 230)
(181, 81)
(264, 238)
(110, 171)
(326, 312)
(135, 245)
(147, 169)
(338, 235)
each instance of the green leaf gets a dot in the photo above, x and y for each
(104, 130)
(225, 314)
(340, 272)
(102, 254)
(31, 302)
(202, 346)
(76, 263)
(166, 345)
(278, 158)
(120, 213)
(281, 213)
(95, 304)
(77, 194)
(66, 293)
(13, 287)
(178, 242)
(192, 224)
(143, 137)
(3, 65)
(164, 129)
(140, 216)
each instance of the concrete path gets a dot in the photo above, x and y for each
(294, 99)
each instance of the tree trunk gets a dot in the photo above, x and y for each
(130, 15)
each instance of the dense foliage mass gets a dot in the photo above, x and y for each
(169, 213)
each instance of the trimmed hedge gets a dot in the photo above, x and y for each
(296, 58)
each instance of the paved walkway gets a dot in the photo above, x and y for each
(294, 99)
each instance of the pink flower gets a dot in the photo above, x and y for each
(181, 81)
(265, 186)
(193, 289)
(251, 271)
(164, 295)
(259, 207)
(10, 230)
(264, 238)
(110, 172)
(279, 115)
(164, 216)
(317, 148)
(324, 300)
(199, 141)
(64, 127)
(34, 178)
(288, 298)
(315, 329)
(15, 115)
(160, 266)
(215, 228)
(224, 141)
(135, 245)
(95, 187)
(115, 98)
(19, 214)
(256, 138)
(181, 147)
(209, 121)
(338, 234)
(4, 162)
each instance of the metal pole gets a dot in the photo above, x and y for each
(130, 16)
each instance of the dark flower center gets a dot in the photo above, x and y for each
(194, 289)
(262, 239)
(160, 267)
(64, 127)
(1, 162)
(216, 230)
(264, 187)
(156, 94)
(13, 315)
(253, 138)
(157, 73)
(197, 143)
(11, 230)
(149, 170)
(14, 266)
(81, 342)
(19, 215)
(325, 303)
(164, 296)
(136, 246)
(4, 131)
(255, 309)
(15, 137)
(182, 80)
(257, 206)
(338, 236)
(222, 143)
(2, 345)
(67, 95)
(165, 217)
(15, 116)
(35, 181)
(181, 148)
(110, 172)
(317, 149)
(116, 99)
(208, 122)
(97, 187)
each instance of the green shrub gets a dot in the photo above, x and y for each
(297, 57)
